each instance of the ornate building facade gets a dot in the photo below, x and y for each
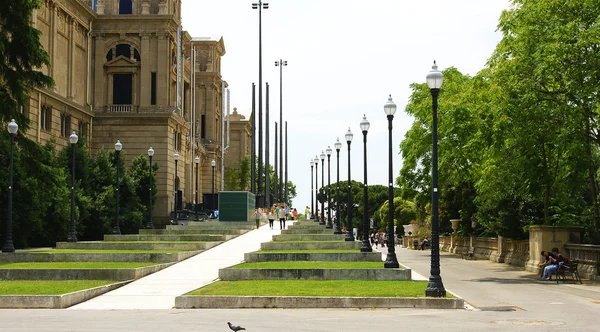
(125, 70)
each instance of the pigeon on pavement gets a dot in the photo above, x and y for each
(235, 327)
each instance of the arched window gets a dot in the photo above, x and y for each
(122, 50)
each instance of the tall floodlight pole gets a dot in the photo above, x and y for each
(338, 221)
(149, 225)
(8, 238)
(280, 64)
(316, 161)
(349, 232)
(253, 145)
(267, 157)
(322, 221)
(118, 148)
(72, 234)
(260, 6)
(390, 261)
(328, 153)
(276, 191)
(366, 246)
(435, 287)
(312, 202)
(285, 190)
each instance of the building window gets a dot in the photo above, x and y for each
(65, 125)
(83, 128)
(153, 89)
(122, 89)
(177, 142)
(125, 7)
(203, 126)
(46, 118)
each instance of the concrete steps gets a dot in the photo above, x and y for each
(168, 237)
(310, 245)
(117, 274)
(137, 245)
(309, 237)
(314, 274)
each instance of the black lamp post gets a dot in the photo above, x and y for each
(213, 164)
(366, 246)
(260, 6)
(72, 236)
(435, 287)
(176, 217)
(275, 173)
(197, 161)
(390, 261)
(149, 224)
(118, 148)
(280, 64)
(312, 202)
(349, 233)
(338, 221)
(328, 152)
(322, 221)
(8, 239)
(316, 161)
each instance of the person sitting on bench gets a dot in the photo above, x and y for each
(425, 243)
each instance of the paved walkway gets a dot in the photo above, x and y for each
(158, 290)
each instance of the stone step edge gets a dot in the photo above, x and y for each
(120, 274)
(294, 302)
(382, 274)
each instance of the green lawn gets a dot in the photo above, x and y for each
(310, 265)
(93, 251)
(342, 288)
(48, 287)
(308, 251)
(75, 265)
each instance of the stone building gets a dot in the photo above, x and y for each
(240, 131)
(123, 71)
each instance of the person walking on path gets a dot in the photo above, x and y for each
(294, 214)
(281, 216)
(258, 216)
(271, 218)
(307, 213)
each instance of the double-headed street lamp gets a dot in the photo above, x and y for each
(349, 233)
(390, 261)
(316, 161)
(312, 202)
(197, 161)
(338, 221)
(149, 224)
(322, 221)
(213, 164)
(72, 236)
(118, 148)
(280, 64)
(328, 152)
(366, 246)
(8, 239)
(435, 287)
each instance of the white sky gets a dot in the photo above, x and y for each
(344, 58)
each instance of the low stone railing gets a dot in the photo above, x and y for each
(501, 250)
(588, 256)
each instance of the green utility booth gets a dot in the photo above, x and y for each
(236, 206)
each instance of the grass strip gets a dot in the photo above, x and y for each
(310, 265)
(93, 251)
(48, 287)
(286, 251)
(331, 288)
(76, 265)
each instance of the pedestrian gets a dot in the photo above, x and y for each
(281, 216)
(294, 214)
(271, 218)
(258, 216)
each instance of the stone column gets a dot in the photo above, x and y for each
(99, 82)
(546, 238)
(70, 64)
(146, 7)
(162, 70)
(53, 34)
(145, 84)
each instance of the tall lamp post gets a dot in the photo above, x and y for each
(316, 161)
(349, 233)
(435, 287)
(149, 224)
(390, 261)
(72, 236)
(8, 239)
(366, 246)
(118, 148)
(260, 6)
(280, 64)
(338, 221)
(328, 152)
(322, 221)
(213, 164)
(197, 161)
(312, 202)
(176, 157)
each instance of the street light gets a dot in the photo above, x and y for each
(366, 246)
(328, 152)
(260, 6)
(390, 261)
(349, 233)
(316, 161)
(197, 161)
(118, 148)
(8, 240)
(435, 287)
(322, 221)
(312, 202)
(176, 217)
(280, 64)
(149, 224)
(213, 164)
(338, 221)
(72, 236)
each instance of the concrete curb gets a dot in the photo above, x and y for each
(309, 237)
(98, 257)
(55, 301)
(239, 302)
(321, 257)
(80, 274)
(315, 274)
(97, 245)
(313, 245)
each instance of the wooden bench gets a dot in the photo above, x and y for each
(570, 268)
(468, 253)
